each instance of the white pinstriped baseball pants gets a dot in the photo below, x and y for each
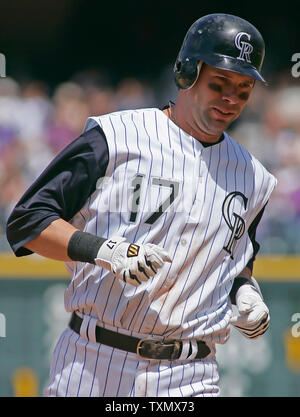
(81, 368)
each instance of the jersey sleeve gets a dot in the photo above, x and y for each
(252, 235)
(61, 190)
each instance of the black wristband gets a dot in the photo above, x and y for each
(238, 282)
(84, 247)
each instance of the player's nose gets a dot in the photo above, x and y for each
(230, 96)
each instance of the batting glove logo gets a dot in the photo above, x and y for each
(133, 250)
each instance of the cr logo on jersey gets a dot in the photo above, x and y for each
(245, 47)
(237, 226)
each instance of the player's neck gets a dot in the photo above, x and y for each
(178, 114)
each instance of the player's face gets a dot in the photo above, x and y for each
(218, 98)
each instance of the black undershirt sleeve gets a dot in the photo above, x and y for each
(252, 235)
(239, 281)
(61, 190)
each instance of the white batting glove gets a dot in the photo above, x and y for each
(130, 262)
(254, 317)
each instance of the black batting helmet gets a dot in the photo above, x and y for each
(223, 41)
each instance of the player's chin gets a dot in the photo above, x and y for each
(218, 126)
(222, 123)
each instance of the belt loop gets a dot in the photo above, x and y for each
(194, 347)
(185, 349)
(92, 329)
(84, 326)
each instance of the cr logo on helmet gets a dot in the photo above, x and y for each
(245, 47)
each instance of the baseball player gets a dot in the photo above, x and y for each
(155, 214)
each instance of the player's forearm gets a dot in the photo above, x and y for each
(53, 241)
(246, 273)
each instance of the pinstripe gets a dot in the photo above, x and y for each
(202, 377)
(221, 266)
(73, 283)
(57, 354)
(179, 385)
(261, 187)
(193, 376)
(162, 158)
(147, 376)
(250, 199)
(168, 125)
(244, 184)
(107, 373)
(176, 390)
(170, 379)
(182, 186)
(132, 392)
(120, 377)
(137, 143)
(150, 169)
(64, 358)
(108, 297)
(69, 377)
(120, 216)
(82, 274)
(113, 175)
(84, 295)
(192, 384)
(165, 218)
(158, 380)
(89, 292)
(83, 367)
(126, 165)
(161, 147)
(95, 370)
(161, 166)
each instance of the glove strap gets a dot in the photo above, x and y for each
(106, 251)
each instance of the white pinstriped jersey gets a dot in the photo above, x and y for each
(164, 187)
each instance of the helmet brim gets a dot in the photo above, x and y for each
(233, 64)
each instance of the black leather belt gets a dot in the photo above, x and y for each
(148, 348)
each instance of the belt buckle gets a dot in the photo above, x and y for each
(154, 347)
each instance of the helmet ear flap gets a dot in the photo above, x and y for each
(186, 72)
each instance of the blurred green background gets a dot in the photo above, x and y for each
(71, 59)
